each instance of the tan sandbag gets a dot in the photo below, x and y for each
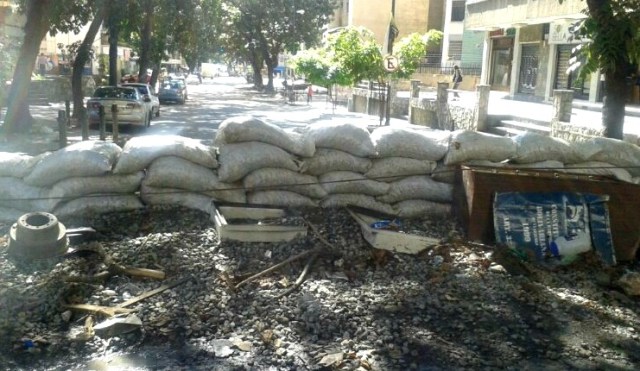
(87, 158)
(283, 179)
(326, 160)
(140, 152)
(250, 129)
(351, 182)
(239, 159)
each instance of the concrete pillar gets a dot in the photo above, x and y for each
(370, 98)
(481, 110)
(515, 64)
(553, 67)
(562, 104)
(442, 102)
(415, 88)
(486, 59)
(442, 95)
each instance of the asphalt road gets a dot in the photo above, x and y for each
(207, 106)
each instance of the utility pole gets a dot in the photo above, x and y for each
(387, 121)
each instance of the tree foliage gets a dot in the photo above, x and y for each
(260, 30)
(42, 16)
(352, 55)
(611, 32)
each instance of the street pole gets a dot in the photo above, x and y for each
(387, 121)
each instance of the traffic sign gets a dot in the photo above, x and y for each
(391, 63)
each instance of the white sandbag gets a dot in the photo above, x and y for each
(97, 204)
(390, 168)
(109, 184)
(168, 196)
(283, 179)
(444, 173)
(239, 159)
(422, 208)
(326, 160)
(468, 145)
(18, 165)
(139, 152)
(534, 147)
(87, 158)
(599, 169)
(612, 151)
(346, 137)
(176, 172)
(350, 182)
(418, 187)
(352, 199)
(9, 215)
(249, 129)
(16, 194)
(421, 144)
(280, 198)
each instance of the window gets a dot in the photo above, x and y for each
(457, 11)
(455, 49)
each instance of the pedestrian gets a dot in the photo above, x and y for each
(457, 79)
(42, 64)
(309, 94)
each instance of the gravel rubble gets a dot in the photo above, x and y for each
(455, 306)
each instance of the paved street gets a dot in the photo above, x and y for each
(217, 99)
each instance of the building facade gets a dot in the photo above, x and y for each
(527, 46)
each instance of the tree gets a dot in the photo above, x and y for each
(270, 27)
(612, 28)
(353, 55)
(42, 16)
(83, 54)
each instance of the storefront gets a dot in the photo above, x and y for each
(565, 76)
(501, 55)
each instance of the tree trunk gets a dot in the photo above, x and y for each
(256, 64)
(614, 102)
(82, 57)
(145, 42)
(113, 46)
(268, 60)
(615, 87)
(18, 118)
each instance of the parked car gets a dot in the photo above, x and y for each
(132, 106)
(173, 90)
(193, 79)
(147, 90)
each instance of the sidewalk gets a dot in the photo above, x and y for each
(583, 113)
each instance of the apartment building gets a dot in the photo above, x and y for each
(527, 46)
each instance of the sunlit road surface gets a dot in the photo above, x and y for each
(217, 99)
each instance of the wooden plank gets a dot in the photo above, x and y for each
(389, 240)
(475, 189)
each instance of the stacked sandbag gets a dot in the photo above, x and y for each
(262, 159)
(343, 155)
(176, 180)
(178, 170)
(346, 188)
(249, 129)
(16, 196)
(406, 159)
(71, 182)
(466, 145)
(139, 152)
(614, 152)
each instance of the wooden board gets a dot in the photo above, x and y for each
(475, 188)
(389, 240)
(253, 232)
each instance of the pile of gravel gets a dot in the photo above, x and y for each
(458, 305)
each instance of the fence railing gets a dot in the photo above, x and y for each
(433, 64)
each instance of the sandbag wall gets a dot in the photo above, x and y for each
(405, 171)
